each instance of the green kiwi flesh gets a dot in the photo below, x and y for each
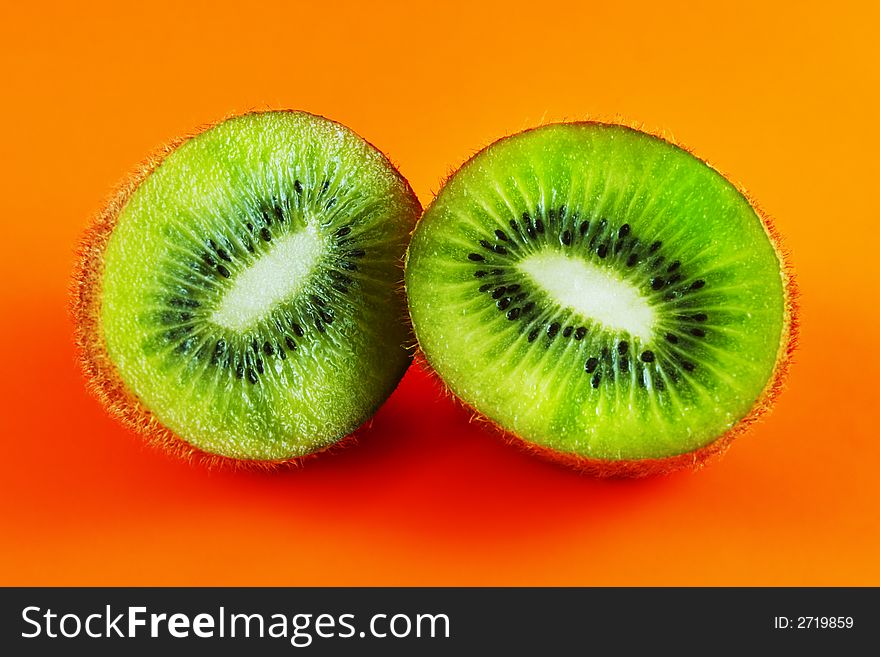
(250, 292)
(599, 293)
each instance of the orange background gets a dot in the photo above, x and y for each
(784, 100)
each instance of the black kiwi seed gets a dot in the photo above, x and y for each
(657, 283)
(504, 303)
(654, 246)
(513, 313)
(528, 307)
(500, 250)
(595, 380)
(697, 284)
(602, 251)
(591, 364)
(167, 317)
(648, 356)
(500, 234)
(357, 253)
(515, 226)
(675, 265)
(218, 359)
(342, 232)
(297, 186)
(251, 375)
(223, 271)
(486, 245)
(539, 225)
(698, 333)
(533, 335)
(486, 287)
(186, 346)
(268, 349)
(623, 231)
(265, 235)
(498, 293)
(671, 337)
(298, 330)
(632, 260)
(553, 329)
(584, 227)
(180, 302)
(567, 332)
(624, 364)
(580, 333)
(476, 257)
(622, 347)
(479, 273)
(566, 237)
(290, 343)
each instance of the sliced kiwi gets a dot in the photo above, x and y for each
(240, 297)
(602, 295)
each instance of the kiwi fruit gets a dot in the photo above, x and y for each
(239, 300)
(602, 296)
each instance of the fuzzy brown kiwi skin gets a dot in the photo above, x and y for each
(696, 459)
(102, 377)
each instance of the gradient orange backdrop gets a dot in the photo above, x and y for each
(783, 100)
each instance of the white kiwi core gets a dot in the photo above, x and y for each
(275, 277)
(593, 292)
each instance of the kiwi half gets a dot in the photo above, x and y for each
(603, 296)
(240, 297)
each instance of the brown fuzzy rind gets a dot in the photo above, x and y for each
(695, 459)
(102, 377)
